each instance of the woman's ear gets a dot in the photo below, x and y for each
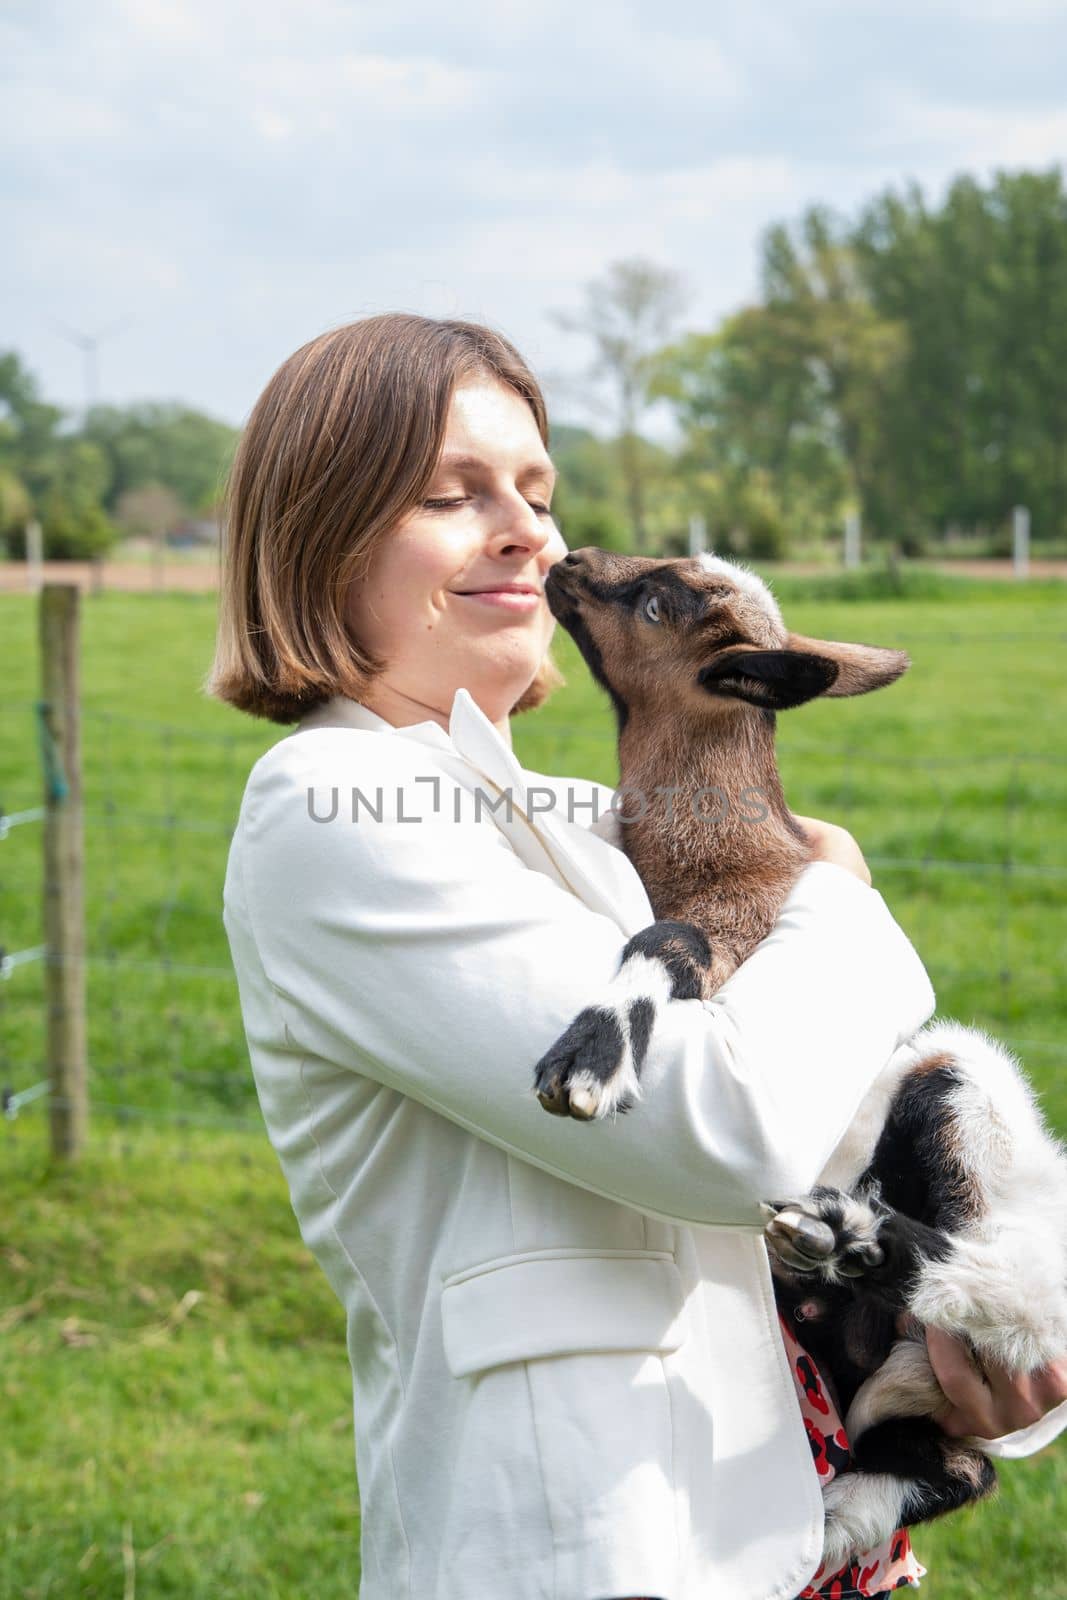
(776, 680)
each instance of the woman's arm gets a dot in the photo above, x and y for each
(426, 955)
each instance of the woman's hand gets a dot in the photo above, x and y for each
(988, 1403)
(836, 845)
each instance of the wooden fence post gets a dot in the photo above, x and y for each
(64, 894)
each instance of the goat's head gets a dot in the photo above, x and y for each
(703, 635)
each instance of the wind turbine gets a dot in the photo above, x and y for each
(89, 345)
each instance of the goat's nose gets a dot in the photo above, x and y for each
(574, 558)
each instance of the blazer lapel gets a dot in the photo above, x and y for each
(596, 872)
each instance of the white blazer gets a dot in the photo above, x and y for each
(568, 1377)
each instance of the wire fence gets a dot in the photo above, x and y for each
(966, 847)
(159, 806)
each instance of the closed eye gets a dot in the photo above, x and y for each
(448, 505)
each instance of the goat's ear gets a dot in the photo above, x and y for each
(860, 667)
(773, 679)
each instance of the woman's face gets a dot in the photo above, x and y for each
(454, 598)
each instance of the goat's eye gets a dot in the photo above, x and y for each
(651, 608)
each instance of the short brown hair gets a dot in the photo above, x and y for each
(341, 445)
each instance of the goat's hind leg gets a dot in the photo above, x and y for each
(594, 1068)
(903, 1471)
(996, 1183)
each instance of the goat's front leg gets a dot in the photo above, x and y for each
(837, 1238)
(594, 1068)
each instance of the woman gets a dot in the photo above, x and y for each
(569, 1381)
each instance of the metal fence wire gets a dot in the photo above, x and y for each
(955, 843)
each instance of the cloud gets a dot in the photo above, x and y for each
(238, 174)
(349, 89)
(978, 138)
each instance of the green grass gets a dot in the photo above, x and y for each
(201, 1446)
(175, 1379)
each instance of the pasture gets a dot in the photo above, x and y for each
(175, 1387)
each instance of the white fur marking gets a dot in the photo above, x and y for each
(903, 1386)
(856, 1150)
(749, 583)
(862, 1509)
(639, 978)
(1004, 1286)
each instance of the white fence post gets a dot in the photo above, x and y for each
(34, 556)
(698, 535)
(1020, 541)
(852, 539)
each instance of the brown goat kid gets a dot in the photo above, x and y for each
(707, 828)
(947, 1201)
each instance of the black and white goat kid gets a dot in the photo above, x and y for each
(946, 1204)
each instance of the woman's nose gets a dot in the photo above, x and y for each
(523, 527)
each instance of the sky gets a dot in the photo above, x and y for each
(207, 184)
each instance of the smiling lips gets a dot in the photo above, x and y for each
(509, 596)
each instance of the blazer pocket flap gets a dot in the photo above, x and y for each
(532, 1306)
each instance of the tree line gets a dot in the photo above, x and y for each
(132, 470)
(908, 363)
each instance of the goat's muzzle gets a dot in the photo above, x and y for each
(570, 575)
(560, 589)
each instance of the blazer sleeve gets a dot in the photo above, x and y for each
(1026, 1441)
(415, 947)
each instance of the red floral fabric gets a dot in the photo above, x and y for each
(877, 1572)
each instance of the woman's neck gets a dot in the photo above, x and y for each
(403, 709)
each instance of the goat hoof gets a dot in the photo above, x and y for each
(583, 1105)
(831, 1234)
(585, 1074)
(802, 1242)
(554, 1101)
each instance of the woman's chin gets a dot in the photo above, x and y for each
(496, 691)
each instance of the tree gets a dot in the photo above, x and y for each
(164, 443)
(28, 427)
(74, 521)
(75, 482)
(16, 508)
(149, 512)
(852, 352)
(55, 476)
(981, 420)
(628, 315)
(587, 504)
(756, 432)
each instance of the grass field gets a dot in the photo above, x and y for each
(176, 1405)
